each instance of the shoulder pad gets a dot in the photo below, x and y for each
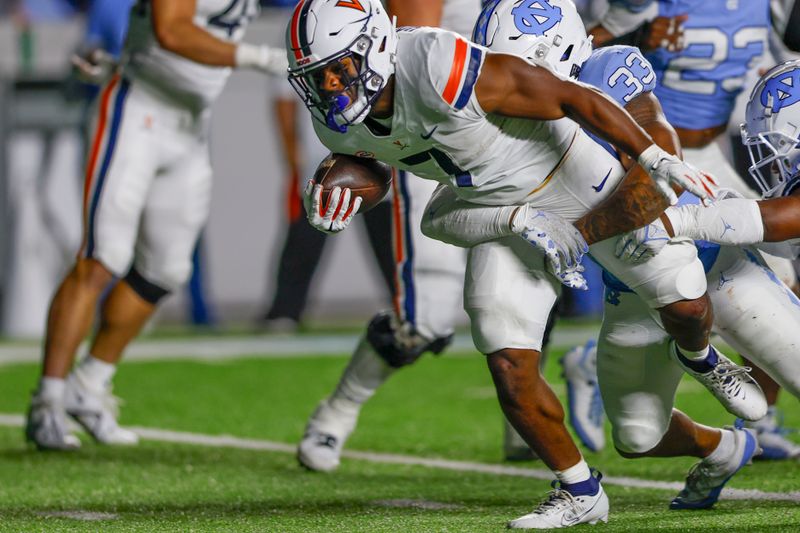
(619, 71)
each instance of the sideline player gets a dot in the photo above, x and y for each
(146, 197)
(362, 102)
(429, 278)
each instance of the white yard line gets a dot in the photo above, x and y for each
(227, 441)
(208, 348)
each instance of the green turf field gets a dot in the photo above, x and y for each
(440, 408)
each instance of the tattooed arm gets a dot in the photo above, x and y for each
(637, 200)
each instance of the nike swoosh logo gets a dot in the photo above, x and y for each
(428, 136)
(599, 188)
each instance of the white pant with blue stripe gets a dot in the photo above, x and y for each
(148, 184)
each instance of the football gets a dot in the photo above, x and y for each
(366, 178)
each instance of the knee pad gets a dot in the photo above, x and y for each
(148, 291)
(637, 438)
(399, 344)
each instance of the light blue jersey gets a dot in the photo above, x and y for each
(620, 72)
(623, 74)
(698, 85)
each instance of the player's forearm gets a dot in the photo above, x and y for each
(416, 12)
(460, 223)
(781, 218)
(637, 201)
(286, 113)
(194, 43)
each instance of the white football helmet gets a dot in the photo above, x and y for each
(541, 31)
(772, 128)
(356, 41)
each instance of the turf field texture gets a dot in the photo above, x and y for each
(441, 408)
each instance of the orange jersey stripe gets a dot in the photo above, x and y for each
(456, 71)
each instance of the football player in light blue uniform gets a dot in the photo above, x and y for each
(772, 135)
(699, 83)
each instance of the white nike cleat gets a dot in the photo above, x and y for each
(586, 414)
(562, 509)
(771, 437)
(46, 425)
(324, 437)
(731, 384)
(97, 411)
(705, 481)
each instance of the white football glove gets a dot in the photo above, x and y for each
(95, 67)
(266, 59)
(336, 215)
(666, 168)
(641, 244)
(562, 243)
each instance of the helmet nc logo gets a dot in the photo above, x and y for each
(352, 4)
(535, 17)
(783, 91)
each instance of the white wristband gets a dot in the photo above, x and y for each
(263, 58)
(650, 157)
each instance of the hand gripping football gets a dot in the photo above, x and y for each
(367, 178)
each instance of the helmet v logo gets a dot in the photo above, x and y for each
(353, 4)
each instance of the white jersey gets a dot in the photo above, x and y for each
(438, 130)
(187, 82)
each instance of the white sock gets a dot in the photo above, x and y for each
(724, 450)
(362, 377)
(52, 388)
(574, 474)
(95, 372)
(695, 356)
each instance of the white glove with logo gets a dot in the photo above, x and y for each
(666, 168)
(338, 212)
(561, 242)
(641, 244)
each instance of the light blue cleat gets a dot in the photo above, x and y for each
(705, 481)
(586, 414)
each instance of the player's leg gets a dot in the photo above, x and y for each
(119, 169)
(429, 281)
(508, 298)
(673, 285)
(759, 316)
(638, 380)
(175, 210)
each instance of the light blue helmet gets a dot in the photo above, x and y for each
(771, 130)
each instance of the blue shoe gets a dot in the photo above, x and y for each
(705, 481)
(586, 414)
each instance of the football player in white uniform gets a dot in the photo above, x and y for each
(429, 284)
(378, 93)
(146, 197)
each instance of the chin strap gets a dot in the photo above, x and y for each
(338, 104)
